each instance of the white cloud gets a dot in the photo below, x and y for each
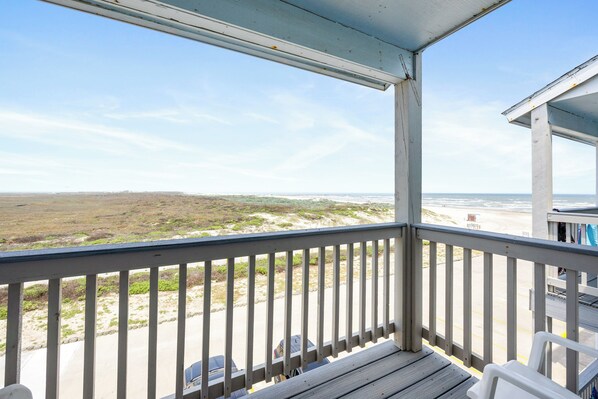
(51, 130)
(168, 115)
(260, 117)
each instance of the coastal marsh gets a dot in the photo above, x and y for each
(62, 220)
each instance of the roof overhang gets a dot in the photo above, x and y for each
(371, 43)
(572, 102)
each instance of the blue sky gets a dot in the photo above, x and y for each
(90, 104)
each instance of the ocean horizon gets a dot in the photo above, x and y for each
(500, 201)
(512, 202)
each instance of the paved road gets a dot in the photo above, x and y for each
(71, 367)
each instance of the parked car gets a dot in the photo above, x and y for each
(215, 370)
(296, 347)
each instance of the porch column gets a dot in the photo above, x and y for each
(541, 171)
(408, 188)
(596, 183)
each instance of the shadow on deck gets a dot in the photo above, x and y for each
(382, 371)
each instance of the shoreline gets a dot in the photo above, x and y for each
(495, 220)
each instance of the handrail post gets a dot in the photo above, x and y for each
(408, 291)
(12, 358)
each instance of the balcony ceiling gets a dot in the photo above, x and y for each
(359, 41)
(572, 103)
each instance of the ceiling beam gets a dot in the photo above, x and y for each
(568, 125)
(269, 29)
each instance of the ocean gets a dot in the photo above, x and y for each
(513, 202)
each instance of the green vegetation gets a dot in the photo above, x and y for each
(66, 331)
(73, 291)
(61, 220)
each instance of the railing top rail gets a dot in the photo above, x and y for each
(570, 217)
(576, 257)
(21, 266)
(591, 209)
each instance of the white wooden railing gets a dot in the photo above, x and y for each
(570, 226)
(54, 265)
(540, 252)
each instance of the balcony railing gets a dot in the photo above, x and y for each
(511, 250)
(353, 293)
(572, 225)
(366, 249)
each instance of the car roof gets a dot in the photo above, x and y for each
(295, 344)
(214, 363)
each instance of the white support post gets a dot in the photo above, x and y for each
(541, 171)
(408, 187)
(541, 202)
(597, 183)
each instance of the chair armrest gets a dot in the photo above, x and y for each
(542, 338)
(493, 373)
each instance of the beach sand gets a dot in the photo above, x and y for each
(494, 220)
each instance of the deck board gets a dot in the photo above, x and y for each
(435, 384)
(381, 371)
(460, 391)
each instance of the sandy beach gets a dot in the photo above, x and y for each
(495, 220)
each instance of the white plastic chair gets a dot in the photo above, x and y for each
(15, 391)
(513, 380)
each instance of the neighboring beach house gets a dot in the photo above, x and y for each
(415, 282)
(568, 108)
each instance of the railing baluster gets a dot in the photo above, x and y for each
(250, 322)
(180, 338)
(349, 287)
(374, 291)
(228, 343)
(288, 312)
(540, 297)
(205, 341)
(304, 307)
(270, 316)
(321, 288)
(567, 232)
(432, 282)
(89, 352)
(53, 342)
(467, 326)
(547, 366)
(123, 333)
(12, 367)
(362, 291)
(336, 266)
(448, 326)
(488, 306)
(511, 310)
(386, 288)
(572, 316)
(153, 333)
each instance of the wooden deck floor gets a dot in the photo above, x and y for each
(382, 371)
